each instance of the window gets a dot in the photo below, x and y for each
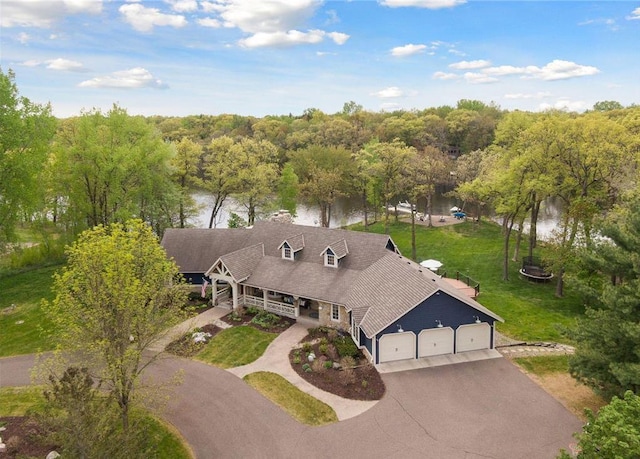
(335, 312)
(330, 259)
(287, 253)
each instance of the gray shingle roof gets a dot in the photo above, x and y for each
(375, 283)
(339, 248)
(295, 242)
(393, 286)
(243, 262)
(195, 249)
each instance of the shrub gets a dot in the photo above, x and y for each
(347, 376)
(332, 353)
(364, 383)
(297, 359)
(323, 348)
(323, 340)
(266, 319)
(252, 310)
(332, 335)
(328, 364)
(306, 368)
(306, 347)
(318, 366)
(346, 347)
(347, 362)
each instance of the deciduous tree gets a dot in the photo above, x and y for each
(117, 296)
(25, 132)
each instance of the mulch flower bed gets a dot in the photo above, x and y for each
(259, 319)
(185, 346)
(354, 377)
(23, 438)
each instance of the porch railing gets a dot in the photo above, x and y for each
(283, 309)
(276, 307)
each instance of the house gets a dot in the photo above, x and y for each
(357, 282)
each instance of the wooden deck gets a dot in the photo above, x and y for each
(461, 286)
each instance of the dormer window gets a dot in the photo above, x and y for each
(290, 246)
(335, 252)
(330, 259)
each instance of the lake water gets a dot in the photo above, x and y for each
(347, 211)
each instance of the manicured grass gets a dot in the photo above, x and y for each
(545, 364)
(16, 401)
(531, 311)
(25, 329)
(302, 406)
(236, 346)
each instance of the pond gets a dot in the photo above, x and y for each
(346, 211)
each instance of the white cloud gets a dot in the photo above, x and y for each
(265, 15)
(209, 22)
(134, 78)
(389, 93)
(560, 70)
(291, 38)
(479, 78)
(24, 38)
(470, 65)
(31, 63)
(445, 76)
(276, 23)
(635, 14)
(554, 70)
(145, 19)
(64, 64)
(183, 6)
(566, 104)
(37, 13)
(430, 4)
(338, 37)
(407, 50)
(537, 95)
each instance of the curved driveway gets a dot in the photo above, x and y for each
(470, 410)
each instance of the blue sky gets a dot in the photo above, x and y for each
(275, 57)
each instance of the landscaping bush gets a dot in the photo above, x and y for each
(306, 367)
(347, 362)
(266, 319)
(346, 347)
(323, 348)
(252, 310)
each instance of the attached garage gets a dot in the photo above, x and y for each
(435, 341)
(473, 337)
(397, 346)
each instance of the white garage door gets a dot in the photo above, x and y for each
(435, 341)
(397, 346)
(473, 337)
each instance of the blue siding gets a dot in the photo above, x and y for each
(366, 342)
(440, 306)
(194, 278)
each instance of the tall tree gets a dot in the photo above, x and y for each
(220, 173)
(288, 187)
(186, 164)
(117, 296)
(324, 176)
(607, 357)
(256, 163)
(390, 159)
(25, 132)
(613, 433)
(112, 167)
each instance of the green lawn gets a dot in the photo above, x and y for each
(531, 311)
(302, 406)
(18, 401)
(236, 346)
(25, 329)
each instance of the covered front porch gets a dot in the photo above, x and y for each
(283, 304)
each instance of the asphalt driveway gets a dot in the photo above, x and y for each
(483, 409)
(470, 410)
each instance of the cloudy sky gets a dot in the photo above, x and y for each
(275, 57)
